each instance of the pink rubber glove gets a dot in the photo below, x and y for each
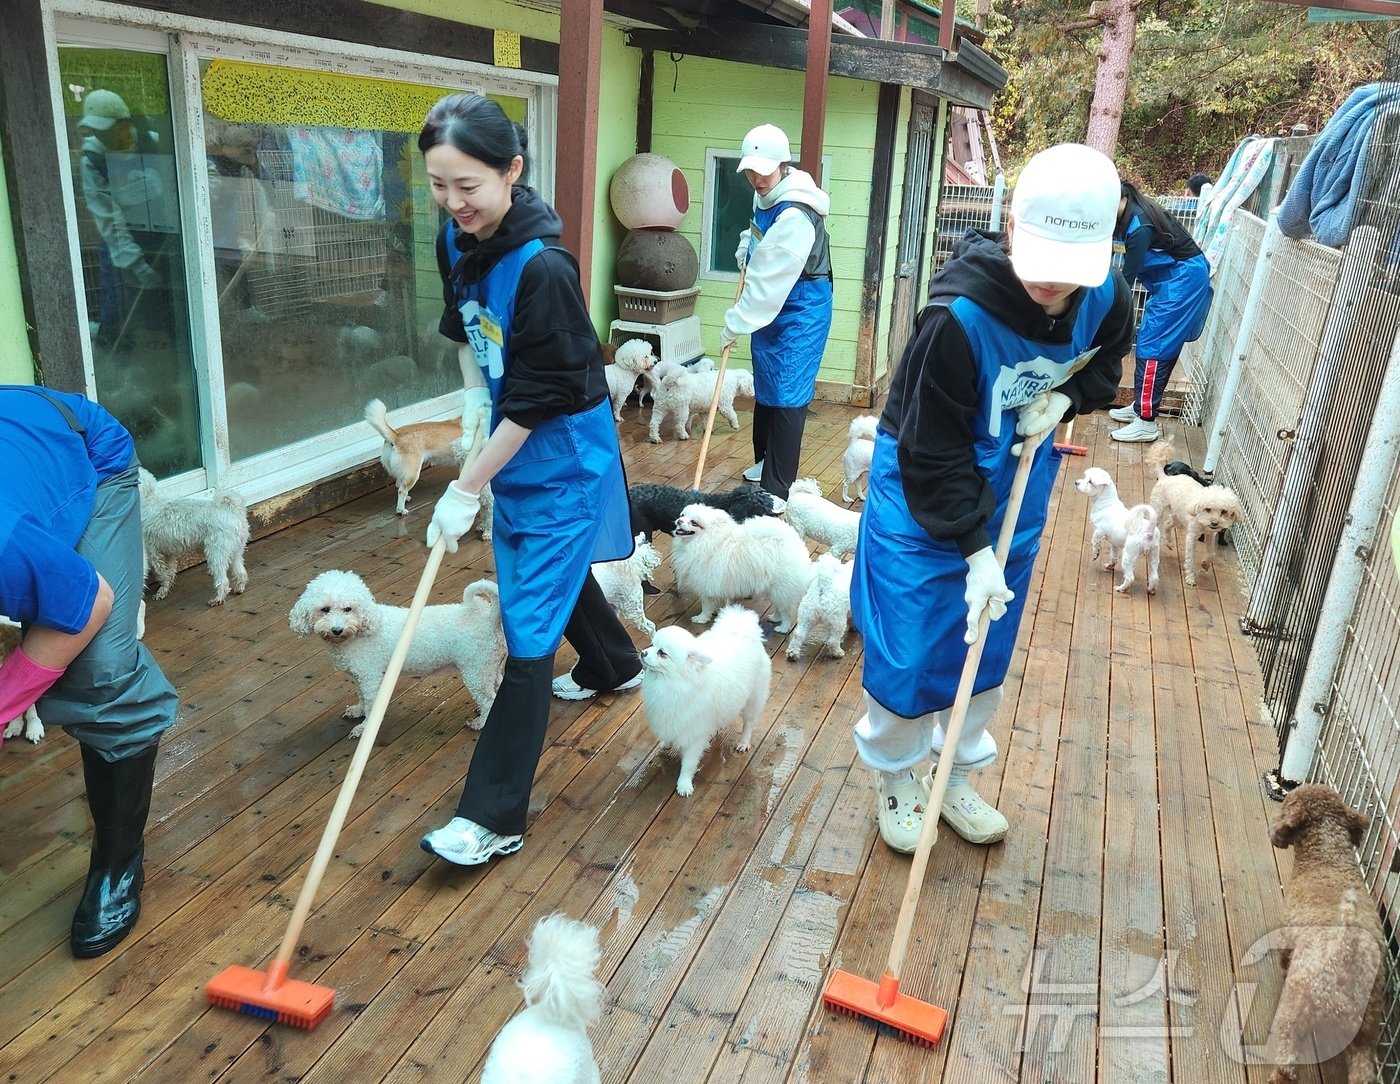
(22, 682)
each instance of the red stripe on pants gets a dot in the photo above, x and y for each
(1149, 382)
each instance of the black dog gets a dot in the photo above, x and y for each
(1178, 466)
(656, 507)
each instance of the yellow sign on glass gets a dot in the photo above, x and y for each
(507, 49)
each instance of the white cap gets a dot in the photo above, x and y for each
(102, 109)
(764, 149)
(1065, 206)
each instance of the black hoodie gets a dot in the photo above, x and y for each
(556, 364)
(933, 396)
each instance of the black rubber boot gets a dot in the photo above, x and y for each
(119, 795)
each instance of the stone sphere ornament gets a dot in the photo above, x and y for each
(648, 192)
(657, 260)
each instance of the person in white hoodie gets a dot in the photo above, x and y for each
(785, 304)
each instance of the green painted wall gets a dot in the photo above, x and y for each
(701, 104)
(16, 362)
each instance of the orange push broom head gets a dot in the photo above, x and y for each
(884, 1006)
(270, 996)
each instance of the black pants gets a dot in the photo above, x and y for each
(777, 444)
(497, 791)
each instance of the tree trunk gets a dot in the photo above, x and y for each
(1111, 84)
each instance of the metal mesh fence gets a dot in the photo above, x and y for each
(1204, 361)
(960, 208)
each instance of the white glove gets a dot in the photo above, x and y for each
(453, 516)
(1042, 413)
(986, 590)
(741, 254)
(145, 274)
(727, 338)
(476, 417)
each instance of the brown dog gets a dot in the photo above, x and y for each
(1332, 945)
(410, 448)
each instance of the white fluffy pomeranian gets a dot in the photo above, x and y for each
(693, 687)
(547, 1042)
(722, 561)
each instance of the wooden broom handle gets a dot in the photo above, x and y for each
(714, 399)
(904, 926)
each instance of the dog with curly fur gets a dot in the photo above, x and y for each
(1201, 511)
(1333, 948)
(622, 581)
(824, 614)
(855, 460)
(822, 521)
(410, 448)
(684, 394)
(657, 507)
(172, 527)
(360, 634)
(630, 362)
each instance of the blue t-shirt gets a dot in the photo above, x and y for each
(49, 476)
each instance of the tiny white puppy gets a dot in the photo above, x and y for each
(621, 582)
(684, 393)
(820, 520)
(631, 361)
(361, 633)
(721, 561)
(547, 1042)
(27, 723)
(693, 687)
(860, 449)
(1116, 523)
(410, 448)
(174, 527)
(825, 613)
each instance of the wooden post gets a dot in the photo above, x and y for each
(580, 62)
(814, 94)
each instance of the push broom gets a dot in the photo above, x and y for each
(882, 1003)
(272, 995)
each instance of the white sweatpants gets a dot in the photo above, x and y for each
(888, 742)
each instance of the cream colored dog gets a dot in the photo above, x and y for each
(1202, 511)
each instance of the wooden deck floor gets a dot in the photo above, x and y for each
(1107, 939)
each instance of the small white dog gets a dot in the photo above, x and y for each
(693, 687)
(632, 360)
(860, 449)
(721, 561)
(547, 1042)
(658, 373)
(173, 527)
(410, 448)
(684, 393)
(825, 612)
(27, 722)
(1202, 511)
(360, 633)
(824, 522)
(1130, 532)
(621, 582)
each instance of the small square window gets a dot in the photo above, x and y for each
(728, 210)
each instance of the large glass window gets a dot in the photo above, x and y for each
(117, 115)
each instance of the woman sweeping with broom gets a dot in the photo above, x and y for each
(552, 459)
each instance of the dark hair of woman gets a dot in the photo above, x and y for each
(479, 128)
(1171, 234)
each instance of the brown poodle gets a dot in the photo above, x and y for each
(1332, 945)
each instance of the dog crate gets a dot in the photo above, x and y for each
(678, 340)
(655, 306)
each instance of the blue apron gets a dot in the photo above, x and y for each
(907, 588)
(1179, 294)
(561, 501)
(787, 354)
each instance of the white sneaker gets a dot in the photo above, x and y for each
(901, 814)
(754, 473)
(566, 688)
(972, 816)
(467, 843)
(1123, 413)
(1138, 431)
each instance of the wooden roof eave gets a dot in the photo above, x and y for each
(968, 77)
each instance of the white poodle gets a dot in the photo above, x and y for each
(621, 582)
(722, 561)
(684, 393)
(174, 527)
(825, 612)
(860, 449)
(632, 360)
(361, 633)
(1202, 511)
(822, 521)
(547, 1042)
(655, 375)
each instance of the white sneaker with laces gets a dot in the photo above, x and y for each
(566, 688)
(972, 816)
(754, 473)
(1123, 413)
(466, 843)
(901, 814)
(1138, 431)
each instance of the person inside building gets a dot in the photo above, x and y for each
(1022, 330)
(71, 576)
(785, 304)
(534, 371)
